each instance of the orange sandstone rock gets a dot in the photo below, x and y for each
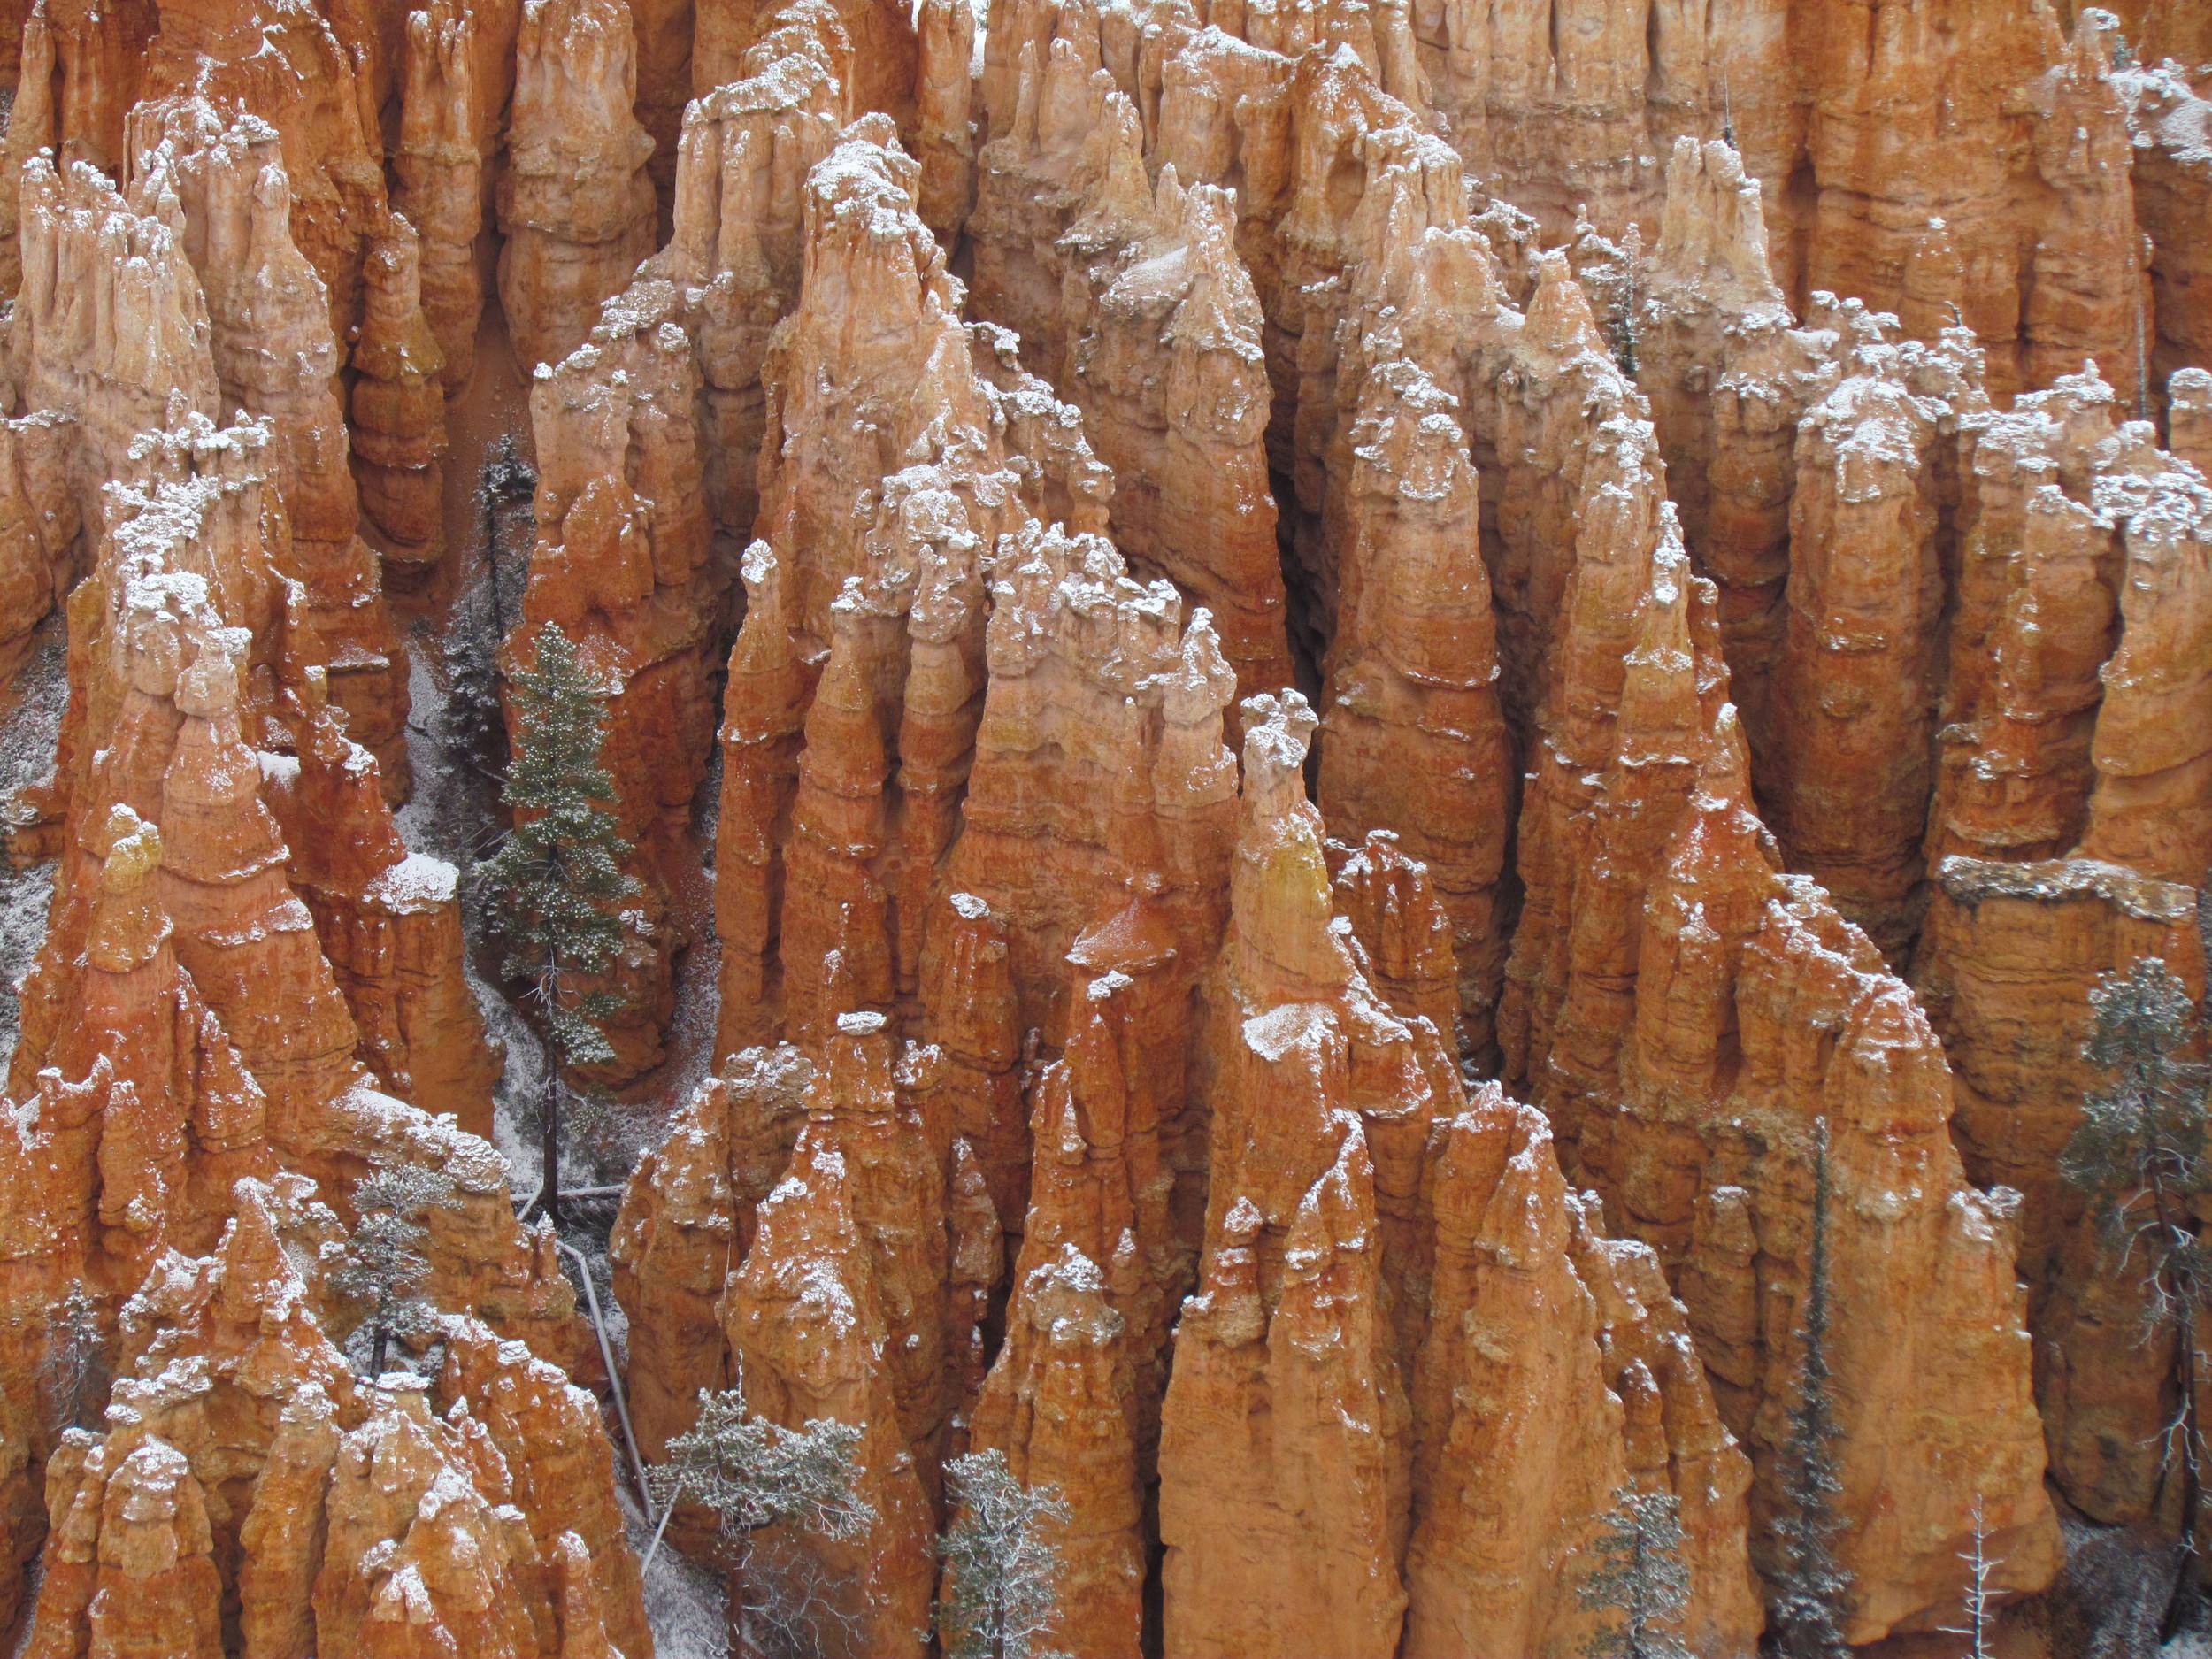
(389, 921)
(2171, 124)
(2151, 808)
(563, 1470)
(1352, 1317)
(807, 1321)
(274, 355)
(1710, 983)
(1854, 691)
(456, 71)
(398, 405)
(575, 204)
(2009, 956)
(1131, 300)
(1058, 1405)
(2039, 558)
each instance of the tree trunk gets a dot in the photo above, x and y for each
(2191, 1493)
(376, 1351)
(551, 1150)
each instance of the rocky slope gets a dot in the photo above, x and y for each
(1328, 715)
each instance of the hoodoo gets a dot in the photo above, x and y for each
(1135, 829)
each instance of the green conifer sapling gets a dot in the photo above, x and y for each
(558, 876)
(381, 1264)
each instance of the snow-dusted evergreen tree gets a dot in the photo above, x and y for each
(72, 1374)
(2138, 1157)
(1639, 1573)
(1002, 1593)
(558, 877)
(755, 1476)
(472, 717)
(381, 1265)
(1612, 275)
(1809, 1590)
(753, 1473)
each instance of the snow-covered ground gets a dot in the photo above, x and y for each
(684, 1602)
(30, 724)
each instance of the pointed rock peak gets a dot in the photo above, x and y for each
(128, 922)
(1285, 936)
(1661, 719)
(208, 689)
(1712, 237)
(2093, 48)
(131, 848)
(1525, 1223)
(1277, 731)
(255, 1280)
(1202, 683)
(1560, 320)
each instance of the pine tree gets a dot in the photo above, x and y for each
(1001, 1593)
(1612, 275)
(1639, 1574)
(2139, 1156)
(757, 1475)
(506, 483)
(381, 1264)
(559, 874)
(72, 1375)
(1809, 1592)
(480, 620)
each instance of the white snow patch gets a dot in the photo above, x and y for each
(418, 882)
(1275, 1033)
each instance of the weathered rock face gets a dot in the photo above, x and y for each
(1617, 1379)
(249, 1493)
(1131, 300)
(717, 1249)
(236, 314)
(114, 357)
(575, 204)
(2039, 560)
(456, 69)
(2171, 126)
(1294, 1323)
(398, 405)
(1398, 1284)
(563, 1470)
(812, 1326)
(2010, 955)
(1855, 688)
(1060, 1404)
(389, 922)
(184, 1027)
(842, 768)
(2151, 808)
(973, 437)
(1730, 377)
(1714, 977)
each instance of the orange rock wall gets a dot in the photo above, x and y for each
(1327, 764)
